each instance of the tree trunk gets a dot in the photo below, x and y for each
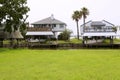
(83, 41)
(77, 30)
(83, 24)
(83, 29)
(17, 42)
(1, 42)
(11, 42)
(111, 39)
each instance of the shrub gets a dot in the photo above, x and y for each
(65, 35)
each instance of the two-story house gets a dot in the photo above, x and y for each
(98, 29)
(46, 28)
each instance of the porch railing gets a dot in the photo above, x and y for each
(38, 29)
(98, 30)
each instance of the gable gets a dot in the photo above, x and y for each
(98, 23)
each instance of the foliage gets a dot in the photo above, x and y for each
(115, 41)
(74, 40)
(84, 11)
(25, 64)
(65, 35)
(114, 29)
(76, 16)
(23, 29)
(14, 13)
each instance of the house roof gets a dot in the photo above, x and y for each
(16, 35)
(98, 23)
(108, 22)
(49, 20)
(31, 33)
(4, 34)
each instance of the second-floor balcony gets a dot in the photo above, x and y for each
(99, 30)
(38, 29)
(55, 29)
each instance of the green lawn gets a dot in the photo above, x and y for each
(74, 40)
(25, 64)
(115, 41)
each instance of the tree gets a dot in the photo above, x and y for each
(84, 11)
(76, 16)
(16, 14)
(65, 35)
(2, 17)
(13, 14)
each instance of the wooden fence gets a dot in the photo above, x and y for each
(64, 46)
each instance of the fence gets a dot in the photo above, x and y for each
(63, 46)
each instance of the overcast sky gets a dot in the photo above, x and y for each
(63, 9)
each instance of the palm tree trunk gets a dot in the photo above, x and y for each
(77, 30)
(83, 29)
(84, 23)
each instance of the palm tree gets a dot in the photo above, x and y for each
(76, 16)
(84, 11)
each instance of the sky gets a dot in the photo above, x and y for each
(63, 9)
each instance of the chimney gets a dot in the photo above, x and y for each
(52, 16)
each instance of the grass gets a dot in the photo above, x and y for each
(116, 41)
(15, 42)
(25, 64)
(74, 40)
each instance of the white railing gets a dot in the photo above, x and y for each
(98, 30)
(58, 29)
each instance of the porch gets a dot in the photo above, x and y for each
(39, 29)
(98, 30)
(98, 36)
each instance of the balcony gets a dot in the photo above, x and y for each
(38, 29)
(98, 30)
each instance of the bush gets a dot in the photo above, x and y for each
(65, 35)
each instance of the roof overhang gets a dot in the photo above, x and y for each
(30, 33)
(101, 34)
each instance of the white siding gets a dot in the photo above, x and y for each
(58, 28)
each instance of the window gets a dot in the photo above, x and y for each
(61, 26)
(54, 25)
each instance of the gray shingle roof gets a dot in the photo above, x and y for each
(98, 23)
(49, 20)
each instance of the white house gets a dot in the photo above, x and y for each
(98, 29)
(46, 27)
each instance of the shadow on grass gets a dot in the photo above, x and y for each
(3, 50)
